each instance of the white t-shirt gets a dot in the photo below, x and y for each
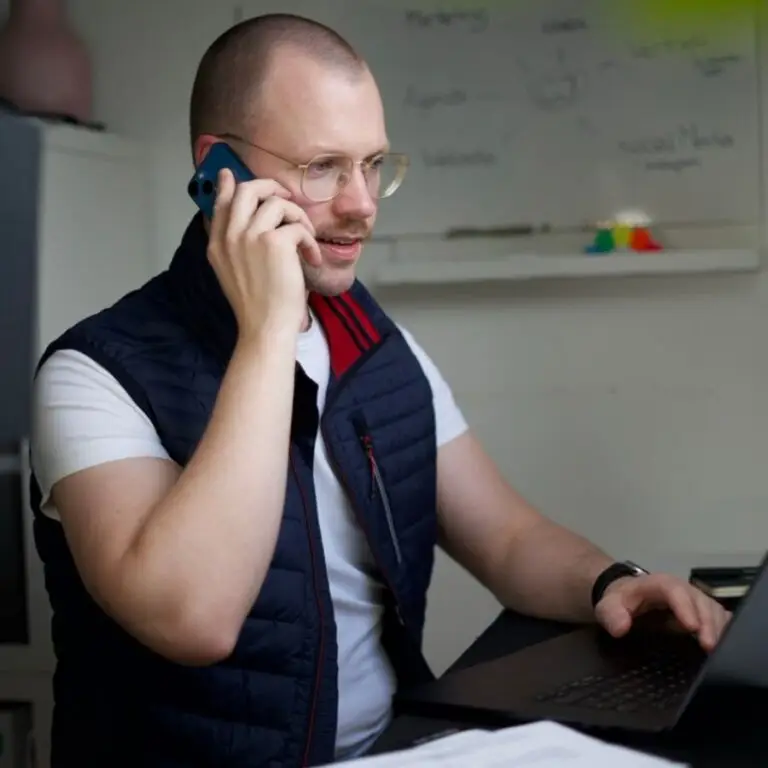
(83, 417)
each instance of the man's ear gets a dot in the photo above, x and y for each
(202, 146)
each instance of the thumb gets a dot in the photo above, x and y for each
(615, 614)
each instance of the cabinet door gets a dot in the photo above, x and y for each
(20, 165)
(93, 229)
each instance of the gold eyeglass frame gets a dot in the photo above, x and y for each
(402, 161)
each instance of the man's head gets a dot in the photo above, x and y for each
(284, 91)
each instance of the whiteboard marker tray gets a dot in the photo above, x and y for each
(524, 266)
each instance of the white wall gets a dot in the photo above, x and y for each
(635, 411)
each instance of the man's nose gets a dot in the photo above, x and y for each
(355, 199)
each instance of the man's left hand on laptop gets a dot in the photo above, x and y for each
(688, 608)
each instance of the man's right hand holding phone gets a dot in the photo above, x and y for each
(256, 242)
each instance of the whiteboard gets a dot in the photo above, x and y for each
(557, 113)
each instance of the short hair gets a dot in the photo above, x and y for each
(236, 64)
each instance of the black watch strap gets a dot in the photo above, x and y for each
(610, 574)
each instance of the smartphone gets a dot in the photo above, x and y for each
(202, 186)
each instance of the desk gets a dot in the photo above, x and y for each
(744, 745)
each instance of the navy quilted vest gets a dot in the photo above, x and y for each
(273, 702)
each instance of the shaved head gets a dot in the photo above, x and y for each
(229, 80)
(287, 91)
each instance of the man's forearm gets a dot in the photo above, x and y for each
(205, 549)
(549, 572)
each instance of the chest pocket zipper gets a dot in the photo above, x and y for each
(377, 485)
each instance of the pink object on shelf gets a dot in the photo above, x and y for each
(45, 68)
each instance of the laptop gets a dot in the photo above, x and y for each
(643, 682)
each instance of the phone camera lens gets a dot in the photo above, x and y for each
(193, 188)
(207, 187)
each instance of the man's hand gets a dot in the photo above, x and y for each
(256, 241)
(688, 609)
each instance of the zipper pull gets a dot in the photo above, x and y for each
(368, 448)
(377, 483)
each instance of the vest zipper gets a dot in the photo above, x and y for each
(361, 523)
(321, 648)
(377, 483)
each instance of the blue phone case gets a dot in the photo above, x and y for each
(202, 186)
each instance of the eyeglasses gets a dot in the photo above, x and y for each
(325, 176)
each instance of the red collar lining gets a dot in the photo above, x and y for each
(349, 330)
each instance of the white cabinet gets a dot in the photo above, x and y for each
(92, 245)
(94, 231)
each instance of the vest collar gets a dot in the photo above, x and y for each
(205, 310)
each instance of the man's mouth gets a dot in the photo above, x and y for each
(339, 240)
(342, 248)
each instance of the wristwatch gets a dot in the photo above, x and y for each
(610, 574)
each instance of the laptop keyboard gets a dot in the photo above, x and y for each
(660, 683)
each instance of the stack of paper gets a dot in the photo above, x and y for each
(542, 744)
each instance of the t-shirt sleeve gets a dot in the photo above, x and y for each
(449, 420)
(83, 417)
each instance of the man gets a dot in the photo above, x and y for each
(242, 469)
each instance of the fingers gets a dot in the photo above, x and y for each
(304, 242)
(245, 201)
(258, 207)
(692, 611)
(225, 189)
(617, 620)
(632, 597)
(713, 619)
(274, 212)
(615, 612)
(680, 600)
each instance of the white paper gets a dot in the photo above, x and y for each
(537, 745)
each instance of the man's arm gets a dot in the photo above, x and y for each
(537, 567)
(178, 557)
(530, 563)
